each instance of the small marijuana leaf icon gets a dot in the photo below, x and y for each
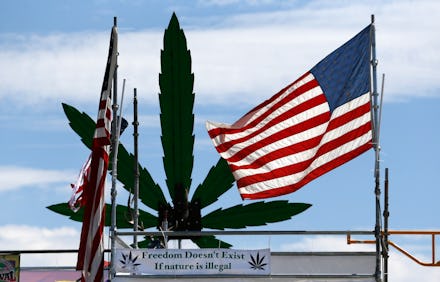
(129, 262)
(257, 263)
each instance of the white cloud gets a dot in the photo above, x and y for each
(35, 238)
(247, 59)
(402, 269)
(13, 177)
(257, 54)
(326, 244)
(23, 237)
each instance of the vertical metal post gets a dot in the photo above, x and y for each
(136, 168)
(377, 229)
(114, 166)
(386, 215)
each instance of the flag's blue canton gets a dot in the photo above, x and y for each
(345, 73)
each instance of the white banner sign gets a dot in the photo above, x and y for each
(192, 261)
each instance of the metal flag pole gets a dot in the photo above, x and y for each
(136, 168)
(115, 145)
(376, 125)
(386, 215)
(114, 167)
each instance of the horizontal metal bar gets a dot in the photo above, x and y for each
(316, 276)
(414, 232)
(323, 254)
(2, 252)
(46, 268)
(235, 232)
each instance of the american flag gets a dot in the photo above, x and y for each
(91, 249)
(317, 123)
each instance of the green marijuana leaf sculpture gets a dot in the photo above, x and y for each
(177, 122)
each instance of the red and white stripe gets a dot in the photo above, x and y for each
(77, 200)
(291, 139)
(91, 250)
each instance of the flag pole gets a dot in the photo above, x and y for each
(376, 145)
(386, 215)
(136, 168)
(114, 166)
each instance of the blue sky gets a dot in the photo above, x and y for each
(242, 53)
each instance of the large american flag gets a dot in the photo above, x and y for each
(310, 127)
(91, 249)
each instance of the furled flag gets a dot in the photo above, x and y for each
(76, 200)
(317, 123)
(91, 249)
